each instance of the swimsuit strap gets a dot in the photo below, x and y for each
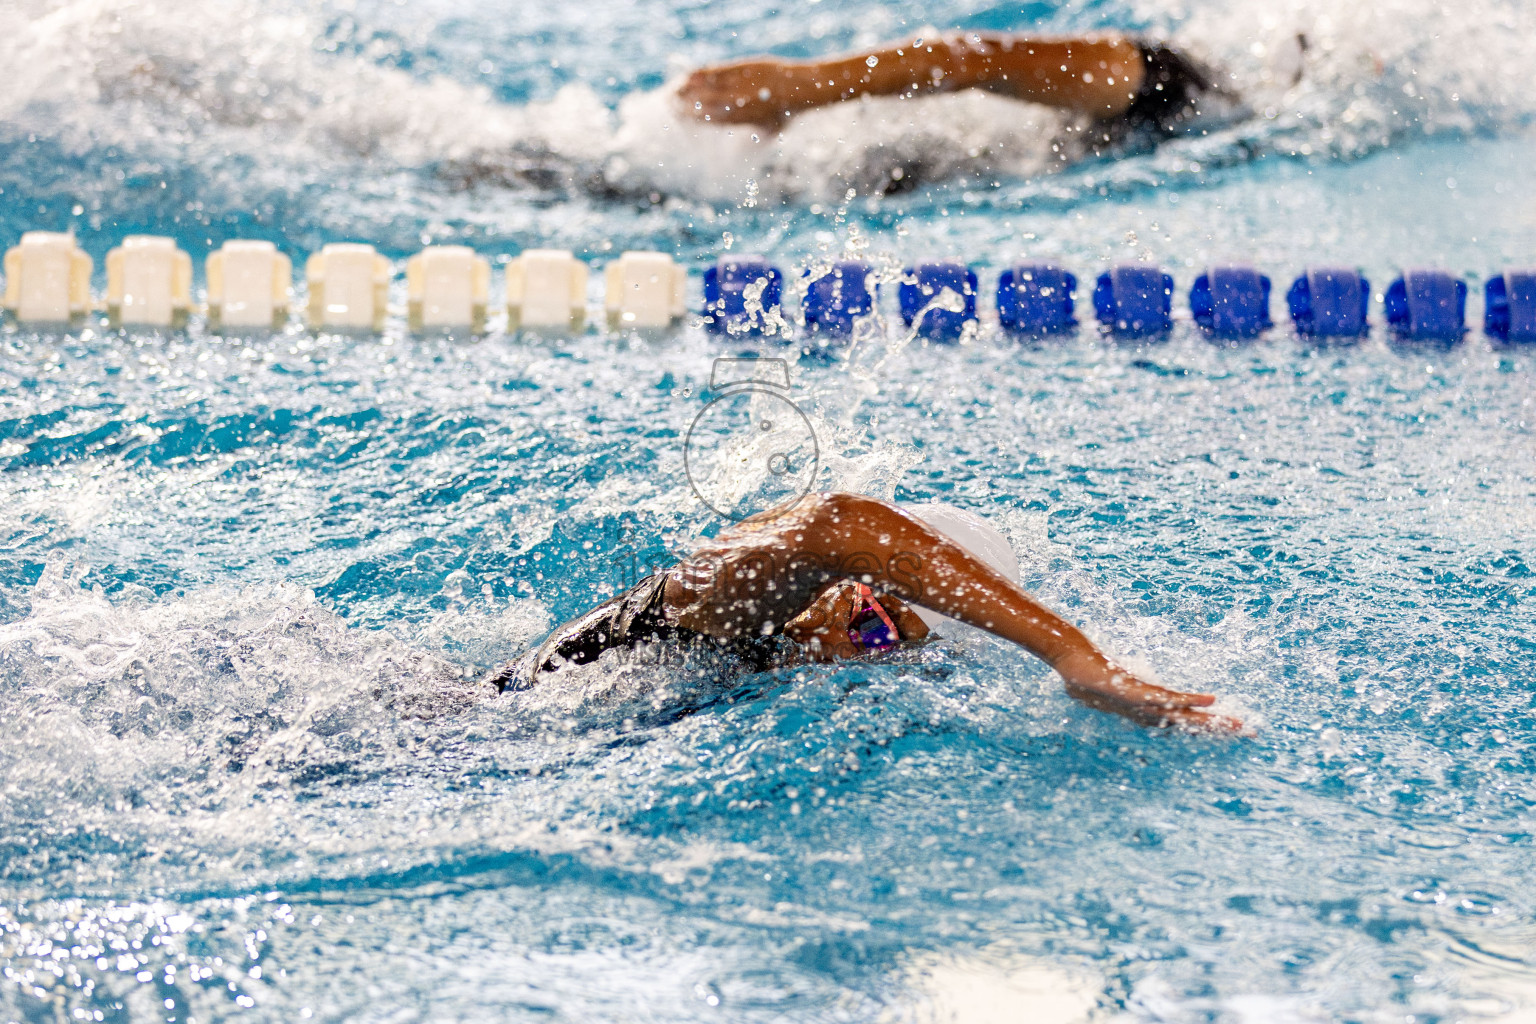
(877, 631)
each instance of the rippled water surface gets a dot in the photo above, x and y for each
(247, 583)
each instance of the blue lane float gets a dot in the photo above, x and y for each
(1427, 305)
(1509, 311)
(740, 292)
(1134, 300)
(938, 298)
(1231, 302)
(839, 297)
(1036, 299)
(1330, 302)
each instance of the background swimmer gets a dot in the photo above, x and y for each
(1127, 88)
(796, 572)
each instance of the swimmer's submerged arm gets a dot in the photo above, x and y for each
(1096, 77)
(757, 576)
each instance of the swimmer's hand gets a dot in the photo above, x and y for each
(821, 629)
(761, 91)
(1107, 687)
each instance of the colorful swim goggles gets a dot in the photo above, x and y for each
(871, 626)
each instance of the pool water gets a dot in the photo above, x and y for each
(247, 583)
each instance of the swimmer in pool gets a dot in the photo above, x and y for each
(1128, 89)
(835, 573)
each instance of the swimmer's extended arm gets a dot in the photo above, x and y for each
(755, 577)
(1097, 77)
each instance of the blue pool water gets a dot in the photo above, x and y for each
(246, 582)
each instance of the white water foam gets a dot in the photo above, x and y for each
(197, 82)
(870, 146)
(169, 710)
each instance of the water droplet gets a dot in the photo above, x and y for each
(1331, 742)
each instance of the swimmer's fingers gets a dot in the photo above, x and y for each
(1202, 721)
(1132, 692)
(1158, 707)
(1161, 696)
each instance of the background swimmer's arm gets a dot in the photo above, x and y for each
(1097, 77)
(756, 576)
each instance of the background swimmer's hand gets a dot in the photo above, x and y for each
(1105, 687)
(761, 92)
